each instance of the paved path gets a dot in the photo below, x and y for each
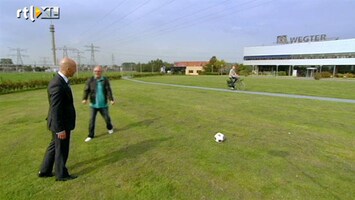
(250, 92)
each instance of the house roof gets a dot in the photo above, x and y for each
(190, 63)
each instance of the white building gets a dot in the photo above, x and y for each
(303, 55)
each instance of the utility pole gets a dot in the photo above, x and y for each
(51, 29)
(113, 61)
(92, 49)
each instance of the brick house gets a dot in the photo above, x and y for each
(189, 67)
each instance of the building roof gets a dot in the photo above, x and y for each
(190, 63)
(322, 47)
(333, 52)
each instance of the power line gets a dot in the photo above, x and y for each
(168, 27)
(103, 17)
(107, 27)
(148, 13)
(234, 9)
(201, 20)
(161, 6)
(177, 23)
(155, 10)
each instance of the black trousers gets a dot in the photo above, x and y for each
(56, 155)
(105, 114)
(234, 80)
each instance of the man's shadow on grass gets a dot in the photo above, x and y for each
(127, 152)
(146, 122)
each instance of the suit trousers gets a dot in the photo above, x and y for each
(56, 155)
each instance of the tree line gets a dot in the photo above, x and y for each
(214, 66)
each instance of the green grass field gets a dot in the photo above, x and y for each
(276, 148)
(336, 88)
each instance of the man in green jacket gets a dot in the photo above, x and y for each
(99, 91)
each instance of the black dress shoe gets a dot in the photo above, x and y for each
(45, 175)
(67, 178)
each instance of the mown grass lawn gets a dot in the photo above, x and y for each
(276, 148)
(288, 85)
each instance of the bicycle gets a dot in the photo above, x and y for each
(239, 84)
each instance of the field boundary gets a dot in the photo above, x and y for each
(295, 96)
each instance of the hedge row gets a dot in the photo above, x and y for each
(137, 75)
(329, 75)
(10, 86)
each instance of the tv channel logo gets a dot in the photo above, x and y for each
(43, 12)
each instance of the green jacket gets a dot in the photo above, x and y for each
(90, 90)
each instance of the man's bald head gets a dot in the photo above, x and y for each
(98, 71)
(67, 67)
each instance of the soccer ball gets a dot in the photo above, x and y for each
(219, 137)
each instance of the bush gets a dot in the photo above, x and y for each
(349, 75)
(326, 74)
(339, 75)
(244, 72)
(209, 73)
(146, 75)
(9, 86)
(281, 73)
(317, 76)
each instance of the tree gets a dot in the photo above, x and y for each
(244, 70)
(215, 65)
(128, 66)
(151, 66)
(154, 65)
(6, 61)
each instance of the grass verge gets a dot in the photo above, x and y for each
(276, 148)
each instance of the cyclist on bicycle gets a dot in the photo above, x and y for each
(233, 76)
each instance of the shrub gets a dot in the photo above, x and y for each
(326, 74)
(317, 76)
(9, 86)
(339, 75)
(349, 75)
(145, 75)
(244, 73)
(281, 73)
(209, 73)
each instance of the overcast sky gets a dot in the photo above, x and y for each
(171, 30)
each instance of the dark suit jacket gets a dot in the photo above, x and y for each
(61, 114)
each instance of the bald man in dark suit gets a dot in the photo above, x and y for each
(60, 121)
